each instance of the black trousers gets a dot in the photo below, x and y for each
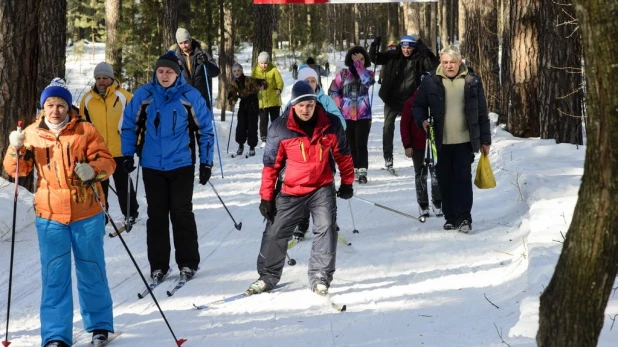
(289, 209)
(455, 179)
(357, 134)
(265, 113)
(121, 181)
(246, 127)
(169, 195)
(421, 172)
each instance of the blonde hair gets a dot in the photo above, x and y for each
(452, 51)
(57, 99)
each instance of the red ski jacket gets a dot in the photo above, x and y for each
(411, 135)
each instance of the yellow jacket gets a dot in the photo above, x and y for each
(105, 113)
(60, 195)
(269, 96)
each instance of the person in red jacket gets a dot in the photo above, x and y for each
(414, 140)
(297, 176)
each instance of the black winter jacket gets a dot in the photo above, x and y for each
(431, 97)
(196, 77)
(401, 75)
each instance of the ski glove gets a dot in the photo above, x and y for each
(129, 164)
(345, 191)
(16, 139)
(84, 171)
(205, 172)
(266, 208)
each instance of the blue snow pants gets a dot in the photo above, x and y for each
(85, 238)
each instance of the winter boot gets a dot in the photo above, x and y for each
(388, 163)
(99, 337)
(158, 275)
(449, 225)
(355, 174)
(263, 142)
(56, 343)
(251, 152)
(258, 287)
(187, 272)
(241, 148)
(424, 210)
(320, 288)
(437, 209)
(362, 176)
(465, 226)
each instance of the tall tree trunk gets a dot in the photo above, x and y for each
(263, 18)
(19, 39)
(479, 20)
(561, 91)
(356, 24)
(170, 22)
(52, 42)
(113, 44)
(522, 106)
(393, 22)
(505, 81)
(226, 55)
(573, 304)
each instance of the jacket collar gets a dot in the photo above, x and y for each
(321, 124)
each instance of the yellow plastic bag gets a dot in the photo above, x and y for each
(484, 175)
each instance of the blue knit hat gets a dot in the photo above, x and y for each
(57, 88)
(408, 40)
(302, 91)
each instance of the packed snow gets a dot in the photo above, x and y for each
(404, 283)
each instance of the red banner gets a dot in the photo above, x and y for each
(308, 2)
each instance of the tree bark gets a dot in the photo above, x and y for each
(19, 39)
(263, 18)
(52, 42)
(573, 305)
(226, 55)
(479, 20)
(393, 23)
(170, 22)
(520, 101)
(561, 91)
(113, 43)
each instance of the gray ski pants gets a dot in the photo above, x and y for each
(289, 209)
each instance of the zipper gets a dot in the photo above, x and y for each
(320, 150)
(302, 149)
(174, 123)
(156, 123)
(47, 153)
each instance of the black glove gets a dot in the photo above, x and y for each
(129, 164)
(377, 40)
(205, 172)
(345, 191)
(266, 208)
(201, 58)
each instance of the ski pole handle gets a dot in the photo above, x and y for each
(19, 123)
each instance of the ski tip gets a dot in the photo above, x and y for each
(5, 343)
(344, 308)
(170, 294)
(339, 308)
(349, 243)
(140, 296)
(180, 342)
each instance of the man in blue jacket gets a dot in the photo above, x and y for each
(158, 116)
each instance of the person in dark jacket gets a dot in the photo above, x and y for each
(159, 115)
(400, 77)
(298, 176)
(246, 89)
(414, 141)
(455, 97)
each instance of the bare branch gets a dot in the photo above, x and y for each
(499, 331)
(496, 306)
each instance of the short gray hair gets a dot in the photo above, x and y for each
(452, 51)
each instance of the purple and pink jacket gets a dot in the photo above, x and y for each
(351, 95)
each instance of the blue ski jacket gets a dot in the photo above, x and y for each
(156, 125)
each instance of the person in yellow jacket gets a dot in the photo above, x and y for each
(103, 106)
(269, 98)
(70, 159)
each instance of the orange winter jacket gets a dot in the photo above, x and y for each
(60, 195)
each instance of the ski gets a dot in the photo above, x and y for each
(391, 171)
(330, 303)
(153, 285)
(88, 342)
(122, 228)
(236, 297)
(181, 283)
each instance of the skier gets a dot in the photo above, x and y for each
(71, 160)
(269, 98)
(245, 89)
(414, 142)
(318, 69)
(294, 70)
(298, 144)
(158, 116)
(350, 90)
(103, 106)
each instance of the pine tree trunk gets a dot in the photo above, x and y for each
(479, 46)
(356, 24)
(522, 104)
(393, 22)
(19, 35)
(170, 22)
(263, 18)
(573, 304)
(561, 91)
(52, 42)
(113, 43)
(226, 56)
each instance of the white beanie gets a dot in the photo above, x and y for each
(104, 69)
(263, 57)
(182, 35)
(306, 72)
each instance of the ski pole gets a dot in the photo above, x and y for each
(420, 219)
(96, 195)
(214, 125)
(355, 231)
(238, 226)
(291, 261)
(6, 341)
(229, 136)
